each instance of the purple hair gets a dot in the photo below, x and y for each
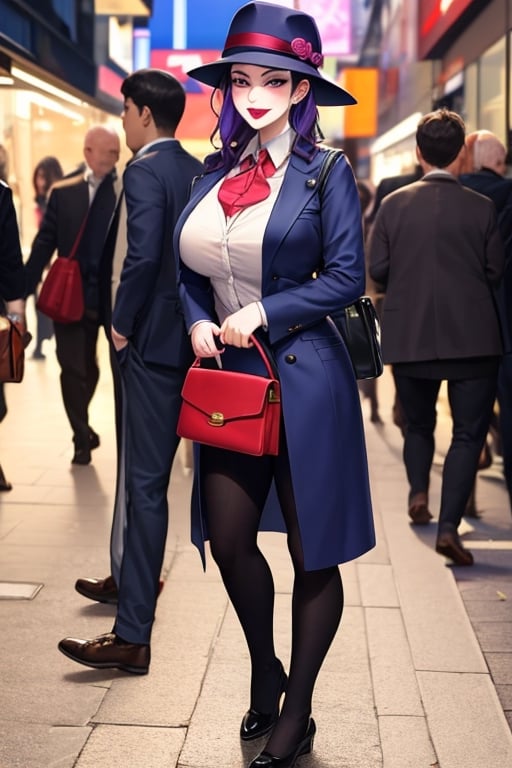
(235, 133)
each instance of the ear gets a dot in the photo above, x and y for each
(301, 91)
(146, 116)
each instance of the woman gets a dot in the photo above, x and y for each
(272, 258)
(47, 172)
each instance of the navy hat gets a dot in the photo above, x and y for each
(271, 35)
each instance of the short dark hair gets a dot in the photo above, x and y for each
(161, 92)
(440, 137)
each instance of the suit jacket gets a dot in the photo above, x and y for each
(390, 184)
(12, 273)
(436, 248)
(499, 189)
(312, 263)
(68, 206)
(147, 309)
(115, 241)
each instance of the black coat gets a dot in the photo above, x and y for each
(12, 274)
(499, 190)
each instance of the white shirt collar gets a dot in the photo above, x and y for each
(438, 172)
(278, 148)
(146, 147)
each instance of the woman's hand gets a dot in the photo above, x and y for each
(203, 337)
(237, 328)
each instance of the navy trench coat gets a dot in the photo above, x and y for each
(313, 263)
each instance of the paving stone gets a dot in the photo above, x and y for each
(500, 665)
(494, 636)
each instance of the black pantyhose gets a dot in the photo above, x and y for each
(235, 489)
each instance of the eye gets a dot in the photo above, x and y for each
(239, 81)
(276, 82)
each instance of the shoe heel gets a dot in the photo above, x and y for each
(309, 739)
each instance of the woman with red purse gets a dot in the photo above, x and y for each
(262, 254)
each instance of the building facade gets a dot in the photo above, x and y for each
(61, 66)
(458, 56)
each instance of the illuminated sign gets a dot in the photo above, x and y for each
(207, 23)
(437, 17)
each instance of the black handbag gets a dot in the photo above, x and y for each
(358, 323)
(359, 326)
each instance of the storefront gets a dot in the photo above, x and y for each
(463, 56)
(60, 72)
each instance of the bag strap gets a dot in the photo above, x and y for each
(264, 354)
(74, 248)
(330, 159)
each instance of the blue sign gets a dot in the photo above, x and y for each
(206, 23)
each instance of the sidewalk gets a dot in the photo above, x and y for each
(406, 683)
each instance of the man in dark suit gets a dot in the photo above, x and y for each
(154, 353)
(78, 213)
(437, 250)
(488, 178)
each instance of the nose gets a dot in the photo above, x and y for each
(254, 92)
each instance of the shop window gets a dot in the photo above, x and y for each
(471, 98)
(491, 89)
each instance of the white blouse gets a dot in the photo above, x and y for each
(229, 250)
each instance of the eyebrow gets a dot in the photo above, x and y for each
(266, 72)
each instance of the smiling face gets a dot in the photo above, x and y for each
(263, 97)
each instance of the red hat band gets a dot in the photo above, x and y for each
(299, 48)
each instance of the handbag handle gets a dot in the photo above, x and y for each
(264, 354)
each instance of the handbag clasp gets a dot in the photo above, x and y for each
(273, 396)
(216, 419)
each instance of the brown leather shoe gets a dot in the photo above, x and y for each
(108, 652)
(449, 545)
(101, 590)
(418, 509)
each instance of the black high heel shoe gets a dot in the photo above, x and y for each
(256, 724)
(304, 747)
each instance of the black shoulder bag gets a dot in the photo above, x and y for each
(358, 323)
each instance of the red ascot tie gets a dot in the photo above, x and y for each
(247, 187)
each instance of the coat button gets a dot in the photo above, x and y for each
(311, 183)
(290, 359)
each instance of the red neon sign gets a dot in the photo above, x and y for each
(435, 19)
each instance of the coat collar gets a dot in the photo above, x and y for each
(440, 175)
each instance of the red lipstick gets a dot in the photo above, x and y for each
(257, 113)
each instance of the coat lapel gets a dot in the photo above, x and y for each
(299, 186)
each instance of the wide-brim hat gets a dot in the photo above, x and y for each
(271, 35)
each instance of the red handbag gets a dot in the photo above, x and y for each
(61, 296)
(232, 410)
(12, 351)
